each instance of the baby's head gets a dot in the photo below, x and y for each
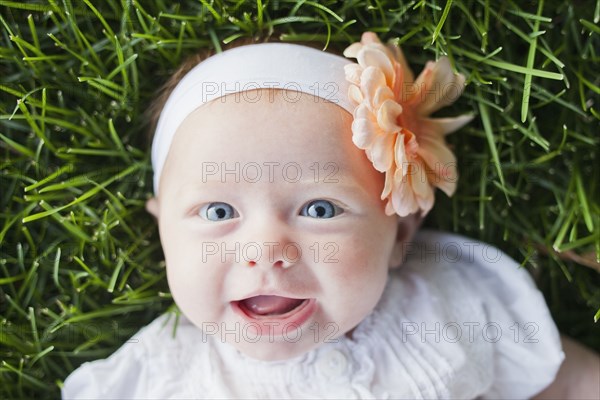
(271, 218)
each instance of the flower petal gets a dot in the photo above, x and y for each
(440, 159)
(438, 86)
(389, 208)
(389, 182)
(435, 151)
(371, 79)
(355, 94)
(400, 157)
(387, 116)
(444, 126)
(382, 151)
(363, 111)
(403, 200)
(352, 50)
(426, 202)
(382, 94)
(446, 180)
(371, 57)
(407, 74)
(369, 37)
(411, 144)
(363, 132)
(352, 73)
(418, 179)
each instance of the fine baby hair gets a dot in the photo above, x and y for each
(285, 275)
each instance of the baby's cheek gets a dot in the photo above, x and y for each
(353, 286)
(358, 265)
(197, 301)
(193, 284)
(368, 251)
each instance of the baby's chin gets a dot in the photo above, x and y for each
(285, 348)
(275, 350)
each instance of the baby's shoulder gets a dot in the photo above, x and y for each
(480, 309)
(468, 280)
(443, 258)
(149, 364)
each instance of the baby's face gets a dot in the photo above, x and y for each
(271, 222)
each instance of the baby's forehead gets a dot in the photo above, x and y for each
(271, 140)
(274, 126)
(264, 115)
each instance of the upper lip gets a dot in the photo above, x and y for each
(263, 292)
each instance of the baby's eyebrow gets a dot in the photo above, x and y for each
(348, 184)
(343, 182)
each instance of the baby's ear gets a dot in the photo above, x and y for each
(407, 226)
(152, 206)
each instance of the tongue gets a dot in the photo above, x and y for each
(271, 305)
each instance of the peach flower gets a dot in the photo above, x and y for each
(392, 124)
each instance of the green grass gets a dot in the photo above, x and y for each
(81, 265)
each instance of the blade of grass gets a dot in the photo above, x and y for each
(107, 27)
(530, 61)
(34, 381)
(49, 178)
(16, 146)
(510, 67)
(26, 6)
(489, 134)
(583, 202)
(440, 24)
(590, 26)
(36, 129)
(534, 136)
(55, 268)
(72, 228)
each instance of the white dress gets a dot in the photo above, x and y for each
(459, 319)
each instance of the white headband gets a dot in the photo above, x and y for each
(267, 65)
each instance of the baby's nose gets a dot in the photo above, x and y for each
(273, 245)
(274, 255)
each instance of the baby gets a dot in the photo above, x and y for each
(289, 185)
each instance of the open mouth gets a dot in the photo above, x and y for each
(271, 306)
(274, 315)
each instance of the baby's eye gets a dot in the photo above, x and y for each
(320, 209)
(217, 212)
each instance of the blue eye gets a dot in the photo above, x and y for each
(320, 209)
(217, 212)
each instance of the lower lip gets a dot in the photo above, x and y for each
(277, 325)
